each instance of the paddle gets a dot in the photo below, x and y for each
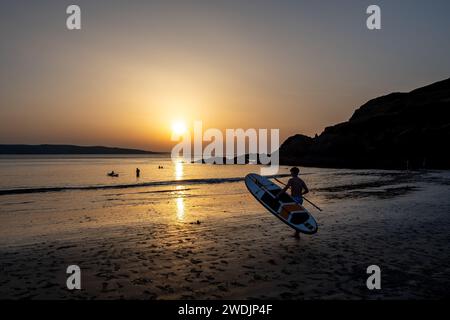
(264, 188)
(284, 184)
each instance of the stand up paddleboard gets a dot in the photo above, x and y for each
(284, 208)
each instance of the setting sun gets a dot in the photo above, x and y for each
(179, 127)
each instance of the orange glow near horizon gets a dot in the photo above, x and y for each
(134, 69)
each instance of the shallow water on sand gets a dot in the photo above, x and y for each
(195, 228)
(80, 184)
(83, 171)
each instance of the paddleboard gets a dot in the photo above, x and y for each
(285, 208)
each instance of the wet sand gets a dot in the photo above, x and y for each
(217, 242)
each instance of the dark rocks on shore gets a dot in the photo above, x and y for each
(398, 130)
(244, 159)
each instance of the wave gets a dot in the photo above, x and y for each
(126, 186)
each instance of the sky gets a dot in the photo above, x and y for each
(136, 67)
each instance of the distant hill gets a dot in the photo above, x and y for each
(66, 149)
(391, 131)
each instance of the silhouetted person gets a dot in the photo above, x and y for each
(298, 189)
(138, 173)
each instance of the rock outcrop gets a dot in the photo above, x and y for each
(394, 131)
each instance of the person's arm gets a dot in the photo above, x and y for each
(288, 185)
(305, 188)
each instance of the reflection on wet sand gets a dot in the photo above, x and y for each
(213, 240)
(179, 199)
(180, 203)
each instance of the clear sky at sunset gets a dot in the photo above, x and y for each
(135, 67)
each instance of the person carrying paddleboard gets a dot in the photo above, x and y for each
(298, 189)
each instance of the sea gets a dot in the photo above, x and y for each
(57, 173)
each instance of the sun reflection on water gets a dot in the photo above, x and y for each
(180, 202)
(180, 208)
(179, 170)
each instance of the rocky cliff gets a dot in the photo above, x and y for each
(394, 131)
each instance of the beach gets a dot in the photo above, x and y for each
(192, 231)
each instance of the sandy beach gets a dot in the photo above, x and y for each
(214, 241)
(138, 138)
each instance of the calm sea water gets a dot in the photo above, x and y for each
(37, 172)
(21, 172)
(45, 195)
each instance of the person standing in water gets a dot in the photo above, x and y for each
(138, 173)
(298, 189)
